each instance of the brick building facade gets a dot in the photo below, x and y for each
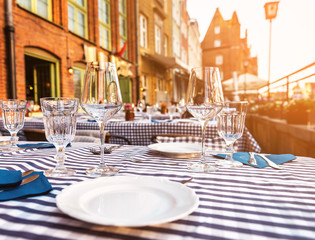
(58, 35)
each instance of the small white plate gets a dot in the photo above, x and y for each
(127, 201)
(177, 149)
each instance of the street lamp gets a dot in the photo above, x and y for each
(271, 9)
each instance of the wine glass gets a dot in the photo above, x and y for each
(150, 112)
(13, 112)
(59, 114)
(141, 106)
(101, 99)
(230, 123)
(171, 111)
(204, 98)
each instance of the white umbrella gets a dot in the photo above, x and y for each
(252, 82)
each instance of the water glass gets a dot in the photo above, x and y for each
(60, 125)
(231, 122)
(13, 112)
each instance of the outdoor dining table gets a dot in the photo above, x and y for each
(140, 132)
(234, 203)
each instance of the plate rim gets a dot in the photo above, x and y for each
(84, 216)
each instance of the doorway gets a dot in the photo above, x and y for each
(40, 79)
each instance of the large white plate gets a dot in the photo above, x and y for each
(128, 201)
(177, 149)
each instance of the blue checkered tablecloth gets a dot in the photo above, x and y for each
(238, 203)
(141, 132)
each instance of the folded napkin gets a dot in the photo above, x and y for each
(161, 121)
(37, 187)
(10, 179)
(243, 157)
(39, 145)
(91, 120)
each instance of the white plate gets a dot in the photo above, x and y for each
(128, 201)
(177, 149)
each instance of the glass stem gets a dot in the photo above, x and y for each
(60, 157)
(229, 152)
(14, 140)
(102, 136)
(204, 127)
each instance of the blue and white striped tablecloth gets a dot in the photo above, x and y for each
(243, 203)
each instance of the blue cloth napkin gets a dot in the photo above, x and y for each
(10, 179)
(91, 120)
(37, 187)
(39, 145)
(243, 157)
(161, 121)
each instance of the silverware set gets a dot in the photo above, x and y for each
(252, 160)
(97, 150)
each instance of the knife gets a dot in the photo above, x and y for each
(270, 163)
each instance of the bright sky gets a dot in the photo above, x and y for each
(292, 37)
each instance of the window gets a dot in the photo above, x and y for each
(217, 43)
(157, 39)
(145, 83)
(42, 8)
(78, 76)
(123, 25)
(143, 31)
(77, 17)
(104, 23)
(165, 45)
(219, 60)
(216, 29)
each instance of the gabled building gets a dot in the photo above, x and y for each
(223, 47)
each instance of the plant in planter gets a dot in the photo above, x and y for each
(163, 108)
(275, 109)
(299, 110)
(129, 110)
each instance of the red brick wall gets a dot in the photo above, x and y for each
(53, 37)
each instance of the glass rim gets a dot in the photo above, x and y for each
(206, 67)
(59, 98)
(14, 100)
(234, 102)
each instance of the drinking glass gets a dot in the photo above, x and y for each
(150, 112)
(101, 99)
(230, 123)
(171, 111)
(13, 112)
(59, 116)
(204, 98)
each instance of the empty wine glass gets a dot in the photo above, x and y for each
(59, 116)
(204, 98)
(171, 111)
(101, 99)
(141, 106)
(181, 107)
(150, 111)
(13, 112)
(230, 123)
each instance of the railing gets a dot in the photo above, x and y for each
(283, 87)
